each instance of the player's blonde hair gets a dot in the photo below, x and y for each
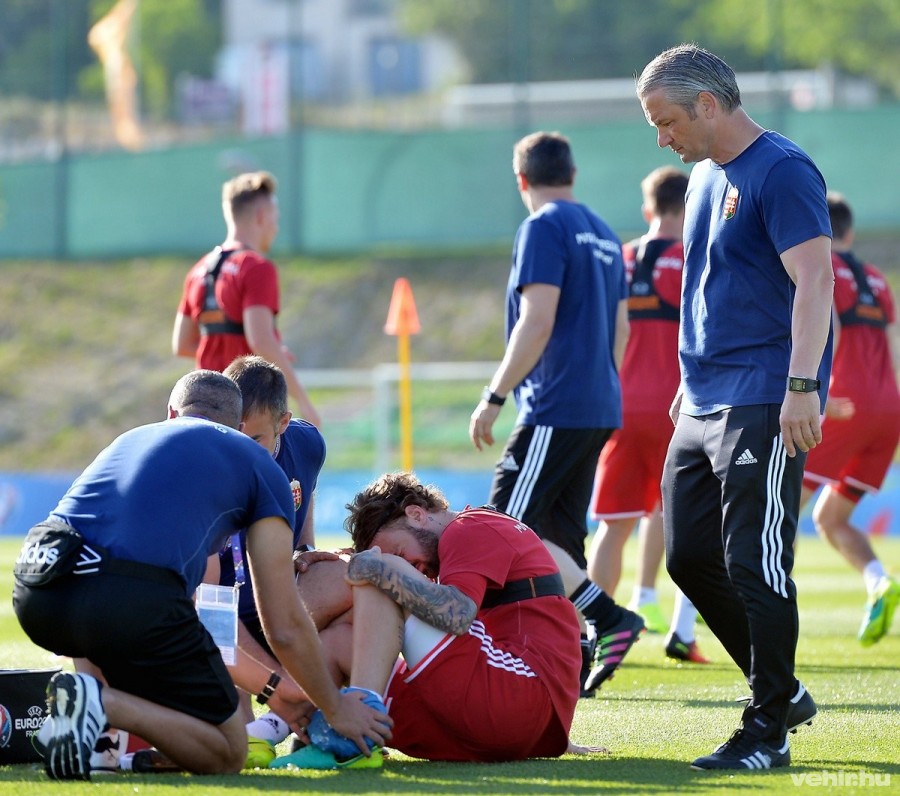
(241, 192)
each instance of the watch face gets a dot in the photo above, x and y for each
(802, 385)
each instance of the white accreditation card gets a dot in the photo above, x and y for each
(217, 607)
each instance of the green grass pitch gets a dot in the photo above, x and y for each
(654, 717)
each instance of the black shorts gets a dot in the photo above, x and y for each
(545, 477)
(144, 636)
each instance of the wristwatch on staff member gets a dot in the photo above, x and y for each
(800, 384)
(268, 689)
(492, 397)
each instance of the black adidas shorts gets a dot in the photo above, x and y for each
(144, 636)
(545, 477)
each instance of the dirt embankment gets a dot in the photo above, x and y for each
(85, 347)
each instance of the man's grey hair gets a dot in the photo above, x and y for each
(686, 70)
(209, 394)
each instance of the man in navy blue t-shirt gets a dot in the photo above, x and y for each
(297, 447)
(299, 450)
(566, 326)
(755, 355)
(150, 509)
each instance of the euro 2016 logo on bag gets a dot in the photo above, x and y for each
(32, 722)
(6, 726)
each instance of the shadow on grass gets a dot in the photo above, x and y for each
(613, 776)
(855, 666)
(843, 707)
(573, 777)
(886, 707)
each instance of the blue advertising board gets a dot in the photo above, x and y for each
(27, 498)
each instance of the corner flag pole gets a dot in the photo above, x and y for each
(402, 321)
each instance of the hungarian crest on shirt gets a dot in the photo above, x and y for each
(731, 203)
(297, 492)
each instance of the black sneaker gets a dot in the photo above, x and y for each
(745, 751)
(588, 649)
(76, 721)
(296, 744)
(107, 751)
(152, 761)
(612, 647)
(801, 710)
(686, 651)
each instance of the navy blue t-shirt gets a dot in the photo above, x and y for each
(170, 493)
(574, 384)
(300, 456)
(737, 298)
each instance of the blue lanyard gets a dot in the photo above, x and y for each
(237, 556)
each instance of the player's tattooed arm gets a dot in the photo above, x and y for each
(443, 607)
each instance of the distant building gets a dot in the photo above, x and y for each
(324, 51)
(344, 55)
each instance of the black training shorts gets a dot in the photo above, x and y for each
(545, 477)
(144, 636)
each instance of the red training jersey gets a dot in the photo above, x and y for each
(483, 549)
(247, 279)
(650, 373)
(863, 368)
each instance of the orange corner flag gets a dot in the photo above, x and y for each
(402, 316)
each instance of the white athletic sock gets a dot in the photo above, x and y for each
(642, 595)
(270, 727)
(684, 617)
(873, 572)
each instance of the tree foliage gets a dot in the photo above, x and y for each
(861, 38)
(507, 40)
(43, 45)
(44, 51)
(504, 40)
